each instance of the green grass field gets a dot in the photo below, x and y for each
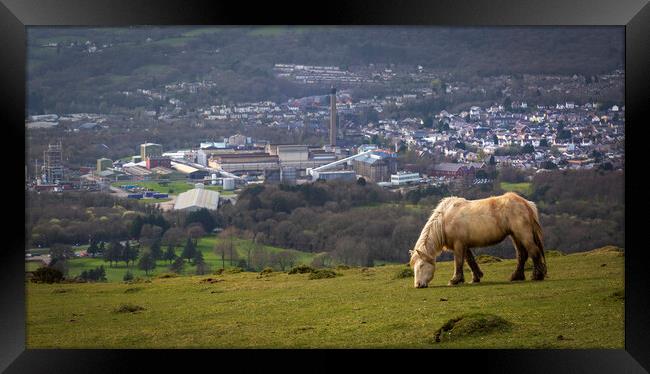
(525, 188)
(205, 245)
(579, 305)
(173, 187)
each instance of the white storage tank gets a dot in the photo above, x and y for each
(214, 179)
(228, 184)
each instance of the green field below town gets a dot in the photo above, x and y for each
(171, 187)
(525, 188)
(579, 305)
(205, 245)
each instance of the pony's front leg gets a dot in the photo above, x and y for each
(459, 260)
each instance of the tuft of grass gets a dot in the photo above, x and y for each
(606, 249)
(473, 324)
(133, 289)
(404, 273)
(128, 308)
(487, 259)
(234, 270)
(553, 253)
(617, 296)
(61, 290)
(342, 267)
(323, 273)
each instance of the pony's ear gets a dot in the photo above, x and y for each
(424, 255)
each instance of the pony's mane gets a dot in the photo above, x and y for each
(432, 237)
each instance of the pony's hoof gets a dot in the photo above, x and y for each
(476, 280)
(517, 277)
(453, 282)
(538, 277)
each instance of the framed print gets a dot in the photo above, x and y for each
(364, 179)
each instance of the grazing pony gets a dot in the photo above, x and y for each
(458, 225)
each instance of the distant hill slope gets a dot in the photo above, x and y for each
(103, 61)
(580, 305)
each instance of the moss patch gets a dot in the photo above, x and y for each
(471, 325)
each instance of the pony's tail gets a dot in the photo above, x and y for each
(537, 233)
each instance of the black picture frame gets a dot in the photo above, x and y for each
(634, 15)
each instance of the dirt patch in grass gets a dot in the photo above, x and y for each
(211, 280)
(487, 259)
(128, 308)
(404, 273)
(323, 273)
(474, 324)
(167, 275)
(616, 296)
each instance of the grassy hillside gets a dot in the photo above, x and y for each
(580, 305)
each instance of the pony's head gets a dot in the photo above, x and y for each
(423, 268)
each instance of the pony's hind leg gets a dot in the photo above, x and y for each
(539, 265)
(522, 256)
(459, 260)
(477, 274)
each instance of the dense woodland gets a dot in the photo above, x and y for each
(354, 223)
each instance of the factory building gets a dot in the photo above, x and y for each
(288, 153)
(375, 167)
(343, 175)
(203, 155)
(103, 164)
(244, 162)
(53, 163)
(196, 199)
(404, 178)
(158, 161)
(150, 150)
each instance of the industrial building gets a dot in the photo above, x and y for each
(158, 161)
(244, 162)
(404, 178)
(103, 164)
(150, 150)
(197, 198)
(375, 167)
(53, 163)
(344, 175)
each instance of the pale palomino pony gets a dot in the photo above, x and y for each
(457, 225)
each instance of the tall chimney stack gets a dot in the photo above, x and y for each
(333, 117)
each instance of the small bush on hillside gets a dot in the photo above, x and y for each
(234, 270)
(47, 275)
(128, 276)
(342, 267)
(218, 271)
(301, 269)
(323, 273)
(404, 273)
(266, 271)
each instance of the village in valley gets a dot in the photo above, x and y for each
(516, 133)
